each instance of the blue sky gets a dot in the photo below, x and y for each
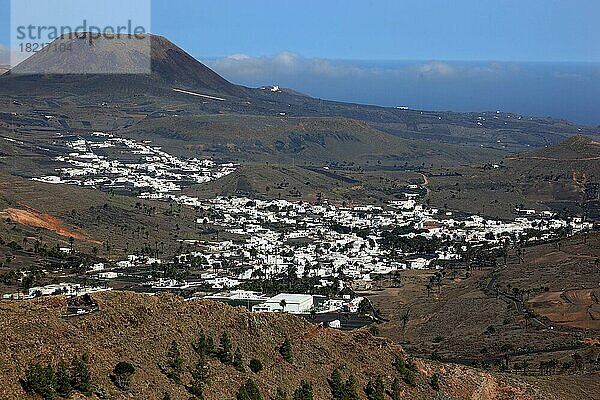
(507, 30)
(503, 30)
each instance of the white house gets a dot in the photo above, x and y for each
(294, 303)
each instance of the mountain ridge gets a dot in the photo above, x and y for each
(119, 61)
(173, 68)
(150, 325)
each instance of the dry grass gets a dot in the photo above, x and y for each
(139, 329)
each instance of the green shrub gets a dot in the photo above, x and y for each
(374, 330)
(304, 392)
(406, 369)
(434, 382)
(121, 375)
(396, 392)
(286, 350)
(280, 395)
(375, 390)
(255, 366)
(41, 381)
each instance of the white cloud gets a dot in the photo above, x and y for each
(242, 66)
(439, 69)
(239, 57)
(436, 68)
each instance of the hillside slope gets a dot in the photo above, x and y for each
(564, 178)
(311, 184)
(560, 280)
(307, 141)
(578, 156)
(139, 329)
(106, 225)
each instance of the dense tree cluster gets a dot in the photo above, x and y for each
(406, 369)
(50, 383)
(340, 389)
(416, 244)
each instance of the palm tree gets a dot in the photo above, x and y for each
(405, 319)
(527, 318)
(525, 366)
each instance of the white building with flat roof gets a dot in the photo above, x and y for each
(285, 302)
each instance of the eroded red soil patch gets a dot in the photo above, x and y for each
(45, 221)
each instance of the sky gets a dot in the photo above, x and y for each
(321, 45)
(499, 30)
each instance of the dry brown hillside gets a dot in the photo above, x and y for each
(139, 329)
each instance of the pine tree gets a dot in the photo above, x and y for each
(199, 378)
(336, 384)
(225, 349)
(304, 392)
(238, 361)
(210, 345)
(63, 380)
(286, 350)
(351, 389)
(41, 380)
(80, 375)
(197, 392)
(174, 363)
(396, 392)
(435, 382)
(205, 344)
(375, 390)
(280, 395)
(249, 391)
(341, 390)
